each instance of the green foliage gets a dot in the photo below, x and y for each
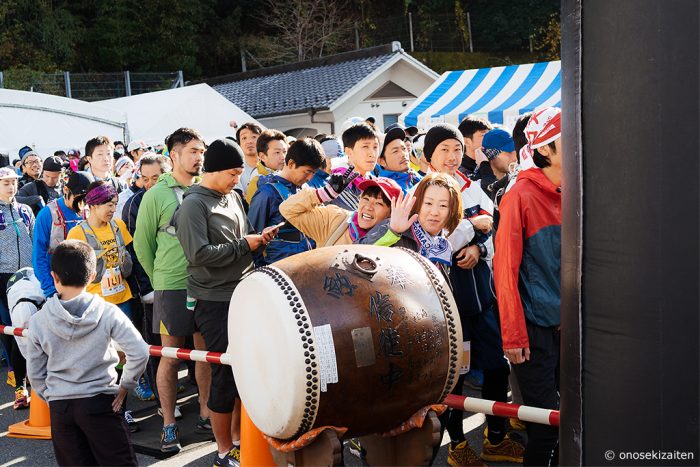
(445, 61)
(205, 37)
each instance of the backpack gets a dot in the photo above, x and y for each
(169, 227)
(125, 262)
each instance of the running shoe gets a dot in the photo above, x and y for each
(178, 414)
(203, 425)
(463, 455)
(230, 459)
(143, 390)
(356, 448)
(170, 439)
(507, 450)
(130, 422)
(21, 401)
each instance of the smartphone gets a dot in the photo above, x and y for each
(273, 227)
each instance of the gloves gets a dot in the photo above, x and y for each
(148, 298)
(336, 184)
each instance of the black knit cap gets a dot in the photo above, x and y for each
(437, 134)
(223, 154)
(397, 132)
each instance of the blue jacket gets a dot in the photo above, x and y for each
(41, 259)
(406, 180)
(264, 212)
(138, 280)
(319, 179)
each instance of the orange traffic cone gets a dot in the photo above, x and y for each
(255, 452)
(39, 424)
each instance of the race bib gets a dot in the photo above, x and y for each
(112, 282)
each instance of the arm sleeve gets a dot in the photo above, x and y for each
(145, 243)
(191, 225)
(41, 260)
(462, 235)
(29, 195)
(132, 344)
(37, 361)
(304, 212)
(509, 244)
(259, 212)
(380, 235)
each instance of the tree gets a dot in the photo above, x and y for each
(296, 30)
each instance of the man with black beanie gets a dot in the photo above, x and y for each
(218, 242)
(472, 284)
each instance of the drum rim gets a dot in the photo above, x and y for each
(298, 309)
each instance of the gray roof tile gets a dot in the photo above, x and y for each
(297, 91)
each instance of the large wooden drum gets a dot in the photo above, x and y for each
(353, 336)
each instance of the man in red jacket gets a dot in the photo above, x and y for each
(526, 272)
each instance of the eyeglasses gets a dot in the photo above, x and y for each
(32, 162)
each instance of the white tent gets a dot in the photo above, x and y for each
(49, 123)
(155, 115)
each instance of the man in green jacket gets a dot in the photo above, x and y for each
(161, 256)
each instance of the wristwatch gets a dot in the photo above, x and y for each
(482, 250)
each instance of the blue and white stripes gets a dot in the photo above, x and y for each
(499, 94)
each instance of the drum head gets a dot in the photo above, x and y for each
(271, 369)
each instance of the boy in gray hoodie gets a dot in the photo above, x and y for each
(72, 354)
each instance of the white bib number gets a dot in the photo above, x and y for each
(112, 282)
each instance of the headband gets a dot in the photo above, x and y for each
(100, 194)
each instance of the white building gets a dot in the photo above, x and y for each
(317, 96)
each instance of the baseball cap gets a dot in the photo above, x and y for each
(136, 144)
(78, 182)
(8, 172)
(73, 152)
(389, 187)
(53, 164)
(497, 141)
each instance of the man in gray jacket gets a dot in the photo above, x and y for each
(71, 359)
(218, 242)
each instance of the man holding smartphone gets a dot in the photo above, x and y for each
(218, 242)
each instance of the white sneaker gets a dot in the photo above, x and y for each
(178, 414)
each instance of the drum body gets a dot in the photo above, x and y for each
(351, 336)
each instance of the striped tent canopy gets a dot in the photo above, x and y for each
(498, 94)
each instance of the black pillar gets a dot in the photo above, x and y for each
(630, 256)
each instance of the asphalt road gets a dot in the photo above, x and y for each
(14, 451)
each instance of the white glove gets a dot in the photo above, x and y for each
(148, 298)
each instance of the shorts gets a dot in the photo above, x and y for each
(170, 314)
(211, 319)
(484, 332)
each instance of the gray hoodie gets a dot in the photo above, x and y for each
(210, 227)
(72, 349)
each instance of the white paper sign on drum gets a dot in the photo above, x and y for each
(326, 352)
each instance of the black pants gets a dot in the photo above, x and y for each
(88, 432)
(17, 361)
(211, 319)
(539, 385)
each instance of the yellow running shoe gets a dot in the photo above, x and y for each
(463, 455)
(507, 450)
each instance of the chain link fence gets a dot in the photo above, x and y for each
(90, 86)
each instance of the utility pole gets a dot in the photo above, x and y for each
(469, 29)
(410, 29)
(127, 83)
(66, 79)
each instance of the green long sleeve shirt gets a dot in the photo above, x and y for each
(158, 250)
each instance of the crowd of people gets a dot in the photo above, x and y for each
(146, 245)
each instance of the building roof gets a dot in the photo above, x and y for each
(311, 85)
